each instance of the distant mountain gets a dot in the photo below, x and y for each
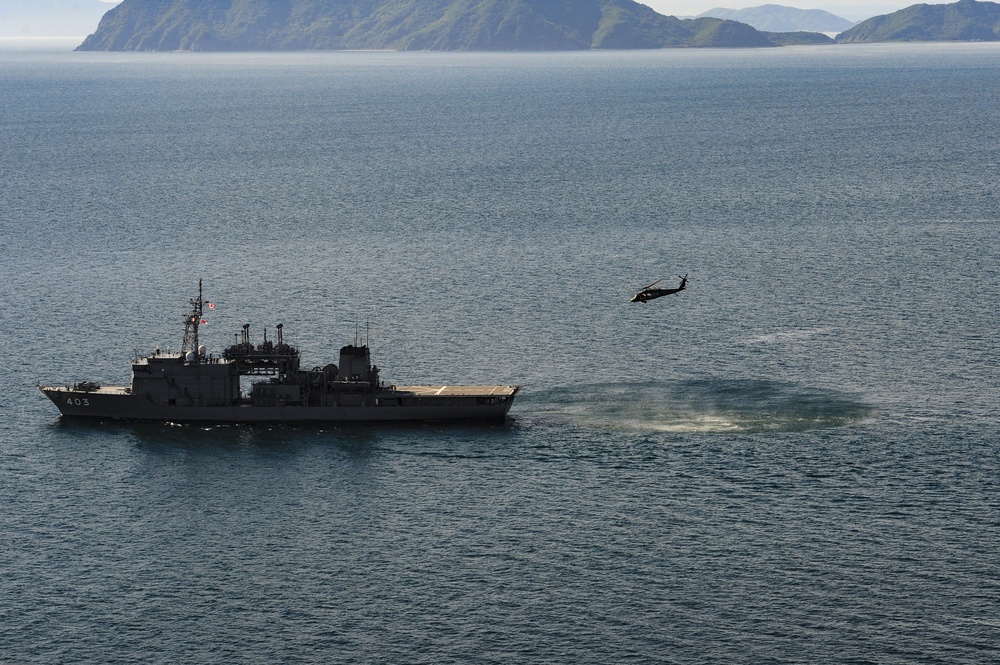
(50, 18)
(450, 25)
(966, 20)
(776, 18)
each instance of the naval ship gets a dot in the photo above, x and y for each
(196, 387)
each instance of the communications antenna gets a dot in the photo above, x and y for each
(191, 321)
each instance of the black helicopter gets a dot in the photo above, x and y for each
(652, 293)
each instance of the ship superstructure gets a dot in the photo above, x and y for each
(195, 386)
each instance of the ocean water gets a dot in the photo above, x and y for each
(794, 460)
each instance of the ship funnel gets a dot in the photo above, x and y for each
(355, 363)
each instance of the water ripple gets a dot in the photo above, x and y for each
(703, 405)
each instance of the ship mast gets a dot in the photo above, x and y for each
(191, 321)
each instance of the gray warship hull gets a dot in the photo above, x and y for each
(404, 404)
(194, 386)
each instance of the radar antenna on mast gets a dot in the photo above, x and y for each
(191, 322)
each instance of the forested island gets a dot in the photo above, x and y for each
(962, 21)
(439, 25)
(490, 25)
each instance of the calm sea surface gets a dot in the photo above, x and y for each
(797, 460)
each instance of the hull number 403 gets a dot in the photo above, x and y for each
(78, 401)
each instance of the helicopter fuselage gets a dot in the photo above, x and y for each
(653, 294)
